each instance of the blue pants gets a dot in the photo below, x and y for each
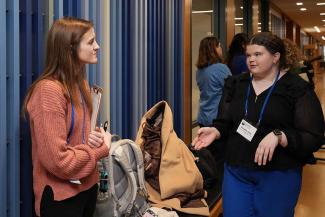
(253, 193)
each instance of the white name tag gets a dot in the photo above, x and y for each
(75, 182)
(246, 130)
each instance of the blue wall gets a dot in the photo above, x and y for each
(140, 63)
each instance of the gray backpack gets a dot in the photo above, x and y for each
(122, 191)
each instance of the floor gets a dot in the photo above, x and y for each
(312, 197)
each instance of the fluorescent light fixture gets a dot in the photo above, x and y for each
(299, 3)
(202, 12)
(316, 28)
(238, 24)
(303, 9)
(323, 20)
(322, 14)
(320, 3)
(323, 37)
(238, 18)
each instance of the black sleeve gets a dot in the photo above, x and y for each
(307, 134)
(224, 122)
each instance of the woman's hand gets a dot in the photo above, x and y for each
(98, 137)
(265, 149)
(205, 136)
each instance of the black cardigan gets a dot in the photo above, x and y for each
(293, 108)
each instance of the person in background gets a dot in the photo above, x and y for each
(294, 56)
(296, 61)
(210, 78)
(270, 136)
(59, 107)
(236, 57)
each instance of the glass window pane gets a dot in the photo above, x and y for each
(202, 15)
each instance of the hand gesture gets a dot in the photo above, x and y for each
(98, 137)
(205, 136)
(265, 149)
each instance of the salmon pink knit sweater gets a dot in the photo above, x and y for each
(54, 161)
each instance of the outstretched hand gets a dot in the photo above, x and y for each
(205, 136)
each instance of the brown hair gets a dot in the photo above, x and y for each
(272, 43)
(62, 62)
(293, 54)
(207, 52)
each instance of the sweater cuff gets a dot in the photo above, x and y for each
(101, 152)
(292, 140)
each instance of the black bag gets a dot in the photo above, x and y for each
(207, 166)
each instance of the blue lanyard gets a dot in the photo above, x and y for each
(72, 121)
(265, 101)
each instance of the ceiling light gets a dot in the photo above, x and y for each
(303, 9)
(201, 12)
(321, 3)
(299, 3)
(316, 28)
(323, 37)
(241, 7)
(322, 14)
(238, 24)
(238, 18)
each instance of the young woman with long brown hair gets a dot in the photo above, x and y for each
(59, 107)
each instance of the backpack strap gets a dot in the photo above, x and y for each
(140, 167)
(127, 166)
(140, 172)
(126, 201)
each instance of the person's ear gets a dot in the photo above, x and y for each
(276, 57)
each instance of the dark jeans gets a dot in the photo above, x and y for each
(81, 205)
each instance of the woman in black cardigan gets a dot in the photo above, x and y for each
(272, 123)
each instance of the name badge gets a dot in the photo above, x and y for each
(246, 130)
(77, 182)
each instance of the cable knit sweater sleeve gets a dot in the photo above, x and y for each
(47, 112)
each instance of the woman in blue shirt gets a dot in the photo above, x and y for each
(210, 78)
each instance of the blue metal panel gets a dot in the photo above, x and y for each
(76, 8)
(3, 112)
(67, 8)
(13, 106)
(38, 36)
(98, 29)
(126, 99)
(152, 53)
(92, 18)
(84, 7)
(58, 9)
(178, 67)
(119, 66)
(27, 205)
(116, 65)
